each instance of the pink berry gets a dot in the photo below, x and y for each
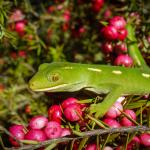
(53, 130)
(17, 15)
(38, 122)
(118, 22)
(115, 110)
(119, 147)
(92, 146)
(107, 14)
(65, 132)
(55, 113)
(107, 47)
(97, 5)
(67, 16)
(112, 123)
(122, 34)
(108, 148)
(120, 48)
(20, 28)
(135, 141)
(75, 146)
(145, 139)
(123, 60)
(35, 134)
(73, 112)
(68, 101)
(22, 54)
(18, 131)
(125, 121)
(110, 33)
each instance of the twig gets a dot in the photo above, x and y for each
(85, 134)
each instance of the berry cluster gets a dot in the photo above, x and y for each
(72, 111)
(115, 34)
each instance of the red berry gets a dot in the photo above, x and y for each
(73, 112)
(17, 15)
(134, 142)
(53, 130)
(18, 131)
(108, 148)
(112, 123)
(120, 48)
(51, 9)
(109, 32)
(67, 16)
(55, 113)
(27, 109)
(145, 139)
(115, 110)
(20, 28)
(13, 55)
(92, 146)
(68, 101)
(97, 5)
(35, 134)
(125, 121)
(123, 60)
(107, 14)
(118, 22)
(22, 54)
(65, 132)
(38, 122)
(122, 34)
(107, 47)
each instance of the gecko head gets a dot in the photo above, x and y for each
(57, 77)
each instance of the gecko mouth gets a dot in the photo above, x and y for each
(60, 88)
(50, 88)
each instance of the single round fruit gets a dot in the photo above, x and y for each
(134, 142)
(55, 113)
(67, 15)
(35, 134)
(22, 54)
(107, 47)
(107, 13)
(120, 48)
(92, 146)
(125, 121)
(53, 130)
(122, 34)
(38, 122)
(123, 60)
(115, 110)
(112, 123)
(20, 28)
(18, 131)
(65, 132)
(97, 5)
(118, 22)
(145, 139)
(68, 101)
(110, 32)
(108, 148)
(73, 112)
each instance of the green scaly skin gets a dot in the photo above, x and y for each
(112, 80)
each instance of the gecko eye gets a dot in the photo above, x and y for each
(54, 77)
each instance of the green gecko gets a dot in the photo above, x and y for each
(114, 81)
